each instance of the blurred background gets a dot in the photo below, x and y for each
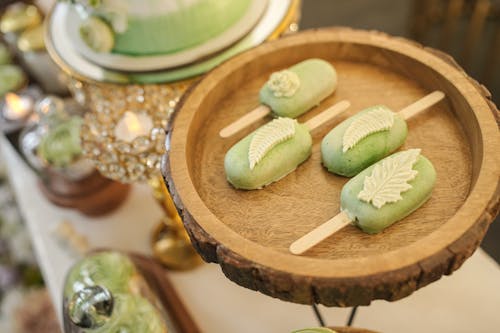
(469, 30)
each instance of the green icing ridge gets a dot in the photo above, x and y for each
(189, 71)
(173, 32)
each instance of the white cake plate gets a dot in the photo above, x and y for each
(61, 46)
(123, 62)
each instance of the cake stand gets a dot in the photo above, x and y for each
(110, 94)
(248, 232)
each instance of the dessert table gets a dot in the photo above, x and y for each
(466, 301)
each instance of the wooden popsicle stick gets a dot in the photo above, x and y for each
(421, 105)
(258, 113)
(332, 112)
(341, 220)
(320, 233)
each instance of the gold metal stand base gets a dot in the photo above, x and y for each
(172, 247)
(170, 242)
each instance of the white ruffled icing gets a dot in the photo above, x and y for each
(376, 120)
(284, 83)
(389, 179)
(268, 136)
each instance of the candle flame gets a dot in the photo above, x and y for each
(15, 103)
(133, 125)
(132, 122)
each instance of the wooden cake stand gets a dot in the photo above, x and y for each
(248, 232)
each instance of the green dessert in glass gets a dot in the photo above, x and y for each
(61, 146)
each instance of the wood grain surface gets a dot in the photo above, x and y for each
(248, 232)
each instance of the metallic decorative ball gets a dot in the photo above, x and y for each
(91, 307)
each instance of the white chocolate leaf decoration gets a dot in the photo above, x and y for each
(390, 178)
(380, 118)
(268, 136)
(284, 83)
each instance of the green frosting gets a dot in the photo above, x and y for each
(62, 144)
(366, 152)
(11, 78)
(172, 32)
(277, 163)
(132, 314)
(4, 55)
(109, 269)
(318, 79)
(373, 220)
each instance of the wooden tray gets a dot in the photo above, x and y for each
(248, 232)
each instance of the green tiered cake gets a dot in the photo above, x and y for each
(156, 27)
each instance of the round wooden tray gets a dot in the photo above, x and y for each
(248, 232)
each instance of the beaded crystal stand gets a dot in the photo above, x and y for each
(138, 160)
(117, 159)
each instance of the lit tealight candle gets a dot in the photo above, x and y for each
(17, 107)
(133, 125)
